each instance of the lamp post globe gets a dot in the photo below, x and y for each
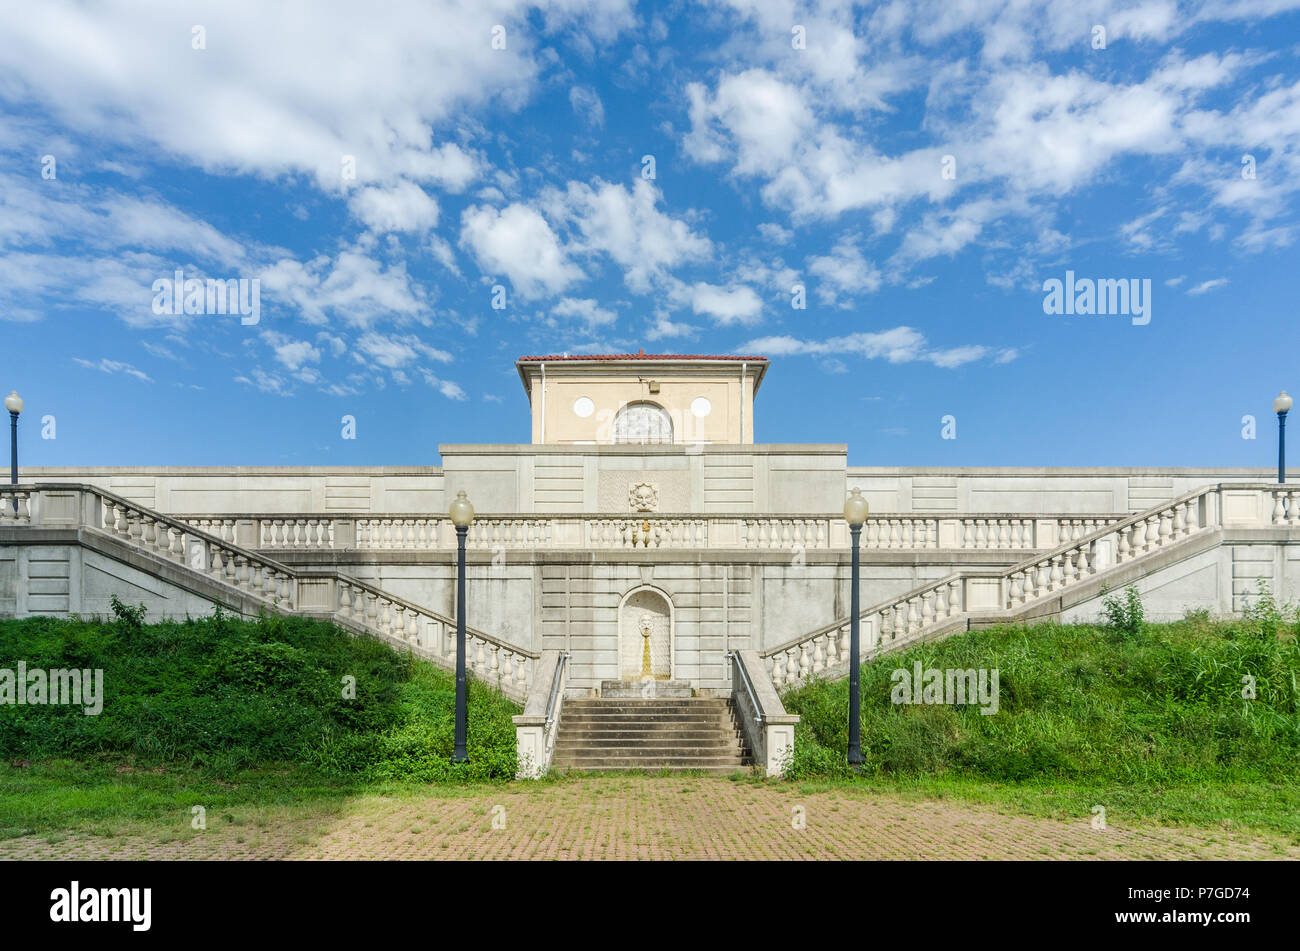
(13, 403)
(856, 511)
(462, 514)
(1281, 406)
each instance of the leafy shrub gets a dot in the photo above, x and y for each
(223, 694)
(1074, 704)
(1123, 616)
(130, 618)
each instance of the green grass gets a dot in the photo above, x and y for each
(1151, 725)
(248, 718)
(234, 712)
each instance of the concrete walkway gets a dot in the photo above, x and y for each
(659, 818)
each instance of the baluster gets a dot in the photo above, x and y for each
(818, 655)
(955, 604)
(1180, 521)
(927, 609)
(968, 535)
(1042, 572)
(913, 618)
(775, 671)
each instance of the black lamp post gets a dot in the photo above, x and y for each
(1281, 406)
(13, 403)
(462, 513)
(855, 513)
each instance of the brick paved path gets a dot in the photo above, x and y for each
(660, 818)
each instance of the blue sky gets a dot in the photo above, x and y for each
(919, 168)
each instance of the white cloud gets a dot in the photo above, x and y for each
(104, 365)
(293, 354)
(587, 105)
(518, 243)
(896, 345)
(392, 352)
(585, 310)
(1207, 286)
(402, 207)
(282, 90)
(726, 305)
(627, 226)
(843, 271)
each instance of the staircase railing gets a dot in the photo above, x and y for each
(661, 531)
(536, 728)
(931, 608)
(353, 603)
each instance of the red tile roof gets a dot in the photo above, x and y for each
(635, 356)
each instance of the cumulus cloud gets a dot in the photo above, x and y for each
(402, 207)
(518, 243)
(627, 226)
(726, 305)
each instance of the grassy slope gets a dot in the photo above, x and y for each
(1151, 726)
(229, 712)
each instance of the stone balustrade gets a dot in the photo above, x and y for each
(209, 550)
(650, 531)
(931, 608)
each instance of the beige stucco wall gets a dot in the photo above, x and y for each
(730, 419)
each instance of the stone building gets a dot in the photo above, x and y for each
(643, 533)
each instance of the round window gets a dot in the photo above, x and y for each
(583, 406)
(701, 407)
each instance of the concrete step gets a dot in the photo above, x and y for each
(615, 721)
(650, 743)
(644, 705)
(653, 770)
(668, 761)
(633, 735)
(650, 734)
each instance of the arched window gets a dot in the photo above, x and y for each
(643, 423)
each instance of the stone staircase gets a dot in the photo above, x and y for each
(676, 734)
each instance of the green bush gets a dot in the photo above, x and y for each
(224, 694)
(1078, 705)
(1124, 617)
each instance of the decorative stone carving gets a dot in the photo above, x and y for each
(643, 496)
